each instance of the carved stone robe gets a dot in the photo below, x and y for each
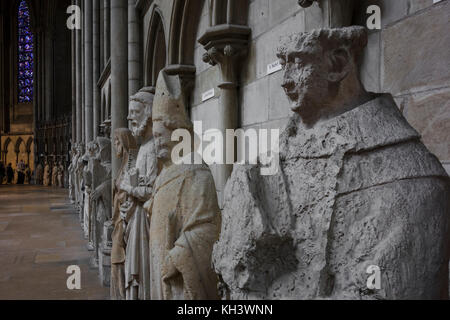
(137, 269)
(354, 191)
(185, 223)
(47, 175)
(55, 176)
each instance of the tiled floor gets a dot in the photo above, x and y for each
(40, 236)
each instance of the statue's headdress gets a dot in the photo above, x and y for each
(169, 104)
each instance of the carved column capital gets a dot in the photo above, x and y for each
(224, 45)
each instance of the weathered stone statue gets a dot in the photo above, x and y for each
(185, 216)
(71, 170)
(79, 181)
(101, 203)
(139, 186)
(60, 175)
(355, 188)
(55, 173)
(46, 174)
(39, 174)
(89, 159)
(126, 148)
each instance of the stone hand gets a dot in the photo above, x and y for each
(124, 186)
(170, 270)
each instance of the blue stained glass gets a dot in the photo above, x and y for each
(25, 54)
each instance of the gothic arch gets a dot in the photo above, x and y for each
(29, 144)
(17, 145)
(6, 145)
(183, 31)
(156, 49)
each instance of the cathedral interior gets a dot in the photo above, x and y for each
(90, 88)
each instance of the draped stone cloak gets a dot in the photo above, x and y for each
(185, 223)
(355, 191)
(137, 269)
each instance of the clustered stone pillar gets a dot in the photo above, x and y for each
(119, 68)
(79, 82)
(74, 86)
(134, 61)
(106, 30)
(83, 75)
(88, 70)
(96, 66)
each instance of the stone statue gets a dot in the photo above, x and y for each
(101, 203)
(38, 174)
(89, 159)
(139, 186)
(355, 188)
(126, 149)
(185, 216)
(60, 175)
(46, 174)
(55, 174)
(71, 175)
(79, 169)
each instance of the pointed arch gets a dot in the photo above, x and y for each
(29, 144)
(183, 30)
(156, 49)
(17, 145)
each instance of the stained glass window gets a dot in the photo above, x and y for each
(25, 54)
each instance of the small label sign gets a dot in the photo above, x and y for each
(274, 67)
(208, 95)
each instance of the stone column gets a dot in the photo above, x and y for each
(83, 75)
(88, 70)
(225, 45)
(74, 85)
(106, 31)
(119, 71)
(102, 33)
(79, 82)
(96, 66)
(134, 61)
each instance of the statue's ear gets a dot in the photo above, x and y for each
(338, 64)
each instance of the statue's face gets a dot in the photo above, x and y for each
(305, 81)
(137, 118)
(119, 147)
(93, 149)
(163, 140)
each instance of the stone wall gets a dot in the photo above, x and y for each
(410, 58)
(407, 57)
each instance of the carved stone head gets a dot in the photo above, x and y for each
(91, 150)
(169, 113)
(140, 112)
(317, 63)
(123, 141)
(103, 152)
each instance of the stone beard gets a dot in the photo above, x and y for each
(185, 217)
(356, 187)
